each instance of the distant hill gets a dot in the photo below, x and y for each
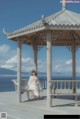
(4, 71)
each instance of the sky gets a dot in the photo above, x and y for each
(15, 14)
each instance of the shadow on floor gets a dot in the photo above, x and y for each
(36, 99)
(67, 105)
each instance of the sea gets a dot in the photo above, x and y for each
(7, 85)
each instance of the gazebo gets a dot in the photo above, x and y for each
(59, 29)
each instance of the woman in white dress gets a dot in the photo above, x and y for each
(33, 84)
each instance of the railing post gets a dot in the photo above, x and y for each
(76, 101)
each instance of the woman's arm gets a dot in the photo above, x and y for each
(29, 81)
(37, 80)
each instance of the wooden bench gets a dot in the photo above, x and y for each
(24, 87)
(65, 88)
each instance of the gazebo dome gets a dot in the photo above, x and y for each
(64, 25)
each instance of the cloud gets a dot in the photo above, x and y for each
(66, 66)
(12, 60)
(57, 66)
(42, 66)
(78, 69)
(27, 63)
(7, 66)
(5, 56)
(68, 62)
(5, 53)
(9, 60)
(63, 66)
(10, 63)
(4, 49)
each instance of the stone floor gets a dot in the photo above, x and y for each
(36, 109)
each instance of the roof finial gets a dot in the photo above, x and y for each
(5, 32)
(63, 4)
(43, 19)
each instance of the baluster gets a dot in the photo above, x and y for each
(53, 87)
(57, 84)
(44, 83)
(68, 86)
(41, 81)
(61, 85)
(72, 85)
(79, 84)
(65, 85)
(76, 86)
(76, 100)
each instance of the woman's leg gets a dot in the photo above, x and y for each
(36, 93)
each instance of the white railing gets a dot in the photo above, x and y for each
(65, 87)
(24, 83)
(43, 82)
(69, 86)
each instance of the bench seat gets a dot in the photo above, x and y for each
(24, 87)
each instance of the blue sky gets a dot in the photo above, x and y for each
(15, 14)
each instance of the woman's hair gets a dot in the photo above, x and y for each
(33, 71)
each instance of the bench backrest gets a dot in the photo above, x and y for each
(24, 83)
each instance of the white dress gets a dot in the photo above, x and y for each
(33, 84)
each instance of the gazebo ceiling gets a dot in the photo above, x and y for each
(64, 26)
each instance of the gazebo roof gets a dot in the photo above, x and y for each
(63, 20)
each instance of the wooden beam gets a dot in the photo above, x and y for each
(74, 32)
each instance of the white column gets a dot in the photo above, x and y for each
(74, 65)
(35, 48)
(49, 69)
(19, 71)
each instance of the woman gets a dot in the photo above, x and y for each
(33, 84)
